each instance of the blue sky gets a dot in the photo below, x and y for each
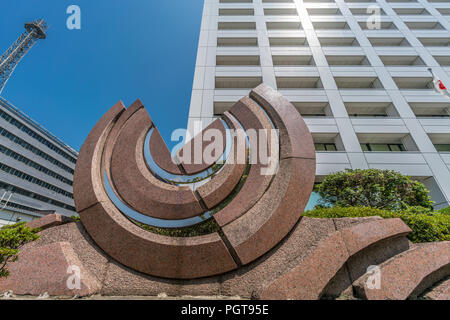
(125, 50)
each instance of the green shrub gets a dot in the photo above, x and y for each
(207, 227)
(12, 238)
(383, 189)
(445, 211)
(426, 225)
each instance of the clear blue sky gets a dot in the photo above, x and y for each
(125, 50)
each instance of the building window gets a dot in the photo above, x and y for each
(325, 147)
(313, 115)
(20, 207)
(433, 115)
(368, 115)
(383, 147)
(24, 176)
(34, 165)
(29, 194)
(34, 135)
(442, 147)
(35, 150)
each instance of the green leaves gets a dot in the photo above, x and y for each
(206, 227)
(426, 225)
(382, 189)
(12, 238)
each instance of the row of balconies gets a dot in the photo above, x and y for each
(355, 4)
(272, 15)
(374, 122)
(377, 114)
(408, 163)
(295, 24)
(379, 142)
(320, 95)
(353, 81)
(341, 39)
(403, 12)
(322, 1)
(290, 59)
(317, 108)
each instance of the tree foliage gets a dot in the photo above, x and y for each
(383, 189)
(12, 238)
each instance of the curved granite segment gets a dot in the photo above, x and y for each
(295, 139)
(182, 258)
(223, 183)
(260, 213)
(250, 116)
(167, 257)
(276, 213)
(403, 274)
(137, 186)
(196, 146)
(365, 234)
(112, 136)
(161, 154)
(308, 280)
(88, 167)
(440, 292)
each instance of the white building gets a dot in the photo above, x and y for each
(36, 169)
(366, 94)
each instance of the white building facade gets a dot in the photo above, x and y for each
(359, 79)
(36, 169)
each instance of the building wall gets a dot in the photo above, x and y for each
(353, 85)
(36, 169)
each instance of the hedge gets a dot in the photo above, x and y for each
(426, 225)
(445, 211)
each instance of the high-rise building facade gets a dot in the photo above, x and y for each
(356, 70)
(36, 169)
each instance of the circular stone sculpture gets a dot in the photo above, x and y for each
(253, 207)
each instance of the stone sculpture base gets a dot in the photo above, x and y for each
(319, 259)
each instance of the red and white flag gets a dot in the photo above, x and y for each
(439, 86)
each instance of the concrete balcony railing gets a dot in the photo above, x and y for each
(446, 157)
(377, 121)
(435, 122)
(330, 162)
(408, 163)
(332, 157)
(313, 121)
(401, 157)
